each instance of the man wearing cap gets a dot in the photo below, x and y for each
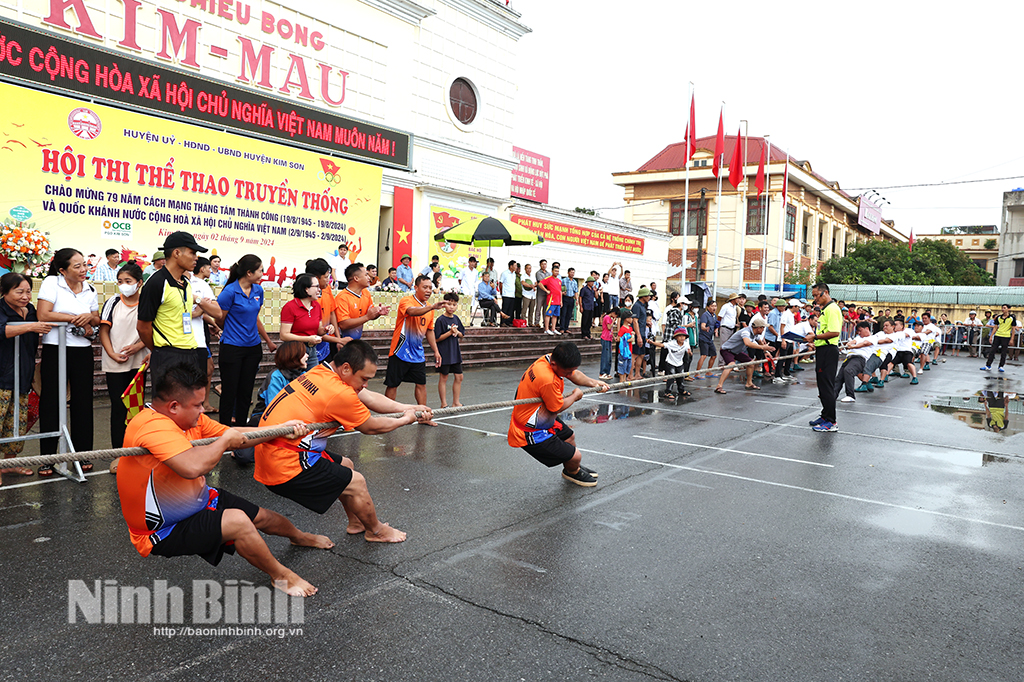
(158, 262)
(165, 309)
(640, 331)
(728, 316)
(469, 278)
(973, 324)
(404, 273)
(588, 302)
(737, 349)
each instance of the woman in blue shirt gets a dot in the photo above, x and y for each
(240, 349)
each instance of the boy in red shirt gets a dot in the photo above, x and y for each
(552, 287)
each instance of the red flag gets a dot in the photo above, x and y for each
(785, 181)
(911, 240)
(691, 134)
(719, 147)
(135, 394)
(736, 163)
(759, 180)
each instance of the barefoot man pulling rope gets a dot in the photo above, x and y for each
(169, 508)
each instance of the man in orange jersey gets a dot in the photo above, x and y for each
(537, 429)
(415, 322)
(298, 468)
(169, 508)
(353, 305)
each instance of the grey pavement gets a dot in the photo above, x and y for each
(725, 541)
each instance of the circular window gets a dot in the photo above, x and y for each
(462, 98)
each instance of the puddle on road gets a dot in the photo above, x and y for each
(1000, 412)
(605, 412)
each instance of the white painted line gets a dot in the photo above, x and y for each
(470, 428)
(814, 401)
(514, 562)
(711, 472)
(739, 452)
(35, 522)
(807, 407)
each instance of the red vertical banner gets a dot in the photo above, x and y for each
(401, 232)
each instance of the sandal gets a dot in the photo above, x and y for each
(718, 389)
(752, 387)
(45, 471)
(86, 465)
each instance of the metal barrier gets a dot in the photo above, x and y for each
(64, 443)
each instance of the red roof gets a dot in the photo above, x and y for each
(671, 157)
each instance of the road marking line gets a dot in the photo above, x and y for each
(807, 407)
(740, 452)
(56, 478)
(722, 474)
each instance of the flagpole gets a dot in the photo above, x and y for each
(767, 209)
(686, 204)
(718, 207)
(782, 226)
(743, 202)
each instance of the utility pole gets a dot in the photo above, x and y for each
(700, 237)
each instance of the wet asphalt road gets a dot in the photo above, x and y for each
(726, 541)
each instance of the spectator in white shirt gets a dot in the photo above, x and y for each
(107, 271)
(507, 290)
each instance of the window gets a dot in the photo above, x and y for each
(756, 223)
(790, 222)
(462, 97)
(698, 219)
(959, 242)
(975, 242)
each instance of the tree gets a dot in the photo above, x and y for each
(990, 244)
(585, 211)
(932, 262)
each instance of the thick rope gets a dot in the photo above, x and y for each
(280, 431)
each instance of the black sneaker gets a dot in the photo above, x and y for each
(588, 471)
(581, 477)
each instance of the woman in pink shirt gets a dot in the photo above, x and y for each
(608, 325)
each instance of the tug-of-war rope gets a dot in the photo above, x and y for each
(279, 431)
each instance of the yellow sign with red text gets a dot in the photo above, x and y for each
(453, 257)
(581, 236)
(95, 178)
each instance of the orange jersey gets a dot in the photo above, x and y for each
(319, 395)
(327, 306)
(410, 330)
(348, 306)
(153, 496)
(534, 422)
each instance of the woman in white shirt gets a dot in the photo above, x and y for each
(66, 296)
(123, 350)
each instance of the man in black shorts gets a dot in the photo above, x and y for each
(299, 469)
(537, 429)
(413, 325)
(170, 509)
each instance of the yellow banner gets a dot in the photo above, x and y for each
(96, 178)
(453, 257)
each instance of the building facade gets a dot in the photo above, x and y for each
(979, 242)
(745, 240)
(1011, 243)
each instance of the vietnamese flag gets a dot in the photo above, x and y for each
(736, 163)
(719, 147)
(785, 181)
(691, 134)
(759, 180)
(329, 166)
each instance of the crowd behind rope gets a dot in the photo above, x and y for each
(162, 321)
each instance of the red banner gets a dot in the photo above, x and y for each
(531, 176)
(401, 233)
(581, 236)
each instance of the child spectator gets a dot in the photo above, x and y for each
(290, 359)
(448, 329)
(608, 331)
(625, 344)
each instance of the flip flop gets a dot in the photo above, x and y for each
(718, 390)
(752, 388)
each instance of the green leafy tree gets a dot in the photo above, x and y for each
(585, 211)
(931, 263)
(990, 244)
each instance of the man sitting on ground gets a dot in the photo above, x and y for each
(536, 428)
(299, 469)
(169, 508)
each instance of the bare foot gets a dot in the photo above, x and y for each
(310, 540)
(292, 584)
(355, 527)
(385, 534)
(20, 471)
(457, 404)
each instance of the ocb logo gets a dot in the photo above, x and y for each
(117, 230)
(107, 225)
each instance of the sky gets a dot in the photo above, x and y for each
(878, 95)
